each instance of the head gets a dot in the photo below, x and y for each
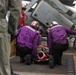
(53, 23)
(35, 24)
(23, 7)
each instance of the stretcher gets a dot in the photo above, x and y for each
(42, 54)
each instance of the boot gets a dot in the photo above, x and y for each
(51, 62)
(28, 59)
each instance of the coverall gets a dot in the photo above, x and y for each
(14, 6)
(22, 20)
(28, 40)
(54, 41)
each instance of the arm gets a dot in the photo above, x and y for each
(39, 39)
(69, 31)
(49, 42)
(15, 10)
(36, 43)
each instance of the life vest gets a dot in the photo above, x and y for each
(22, 19)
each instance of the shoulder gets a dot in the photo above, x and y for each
(28, 27)
(56, 26)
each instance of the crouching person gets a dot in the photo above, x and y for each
(28, 40)
(57, 42)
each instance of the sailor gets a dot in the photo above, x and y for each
(23, 17)
(7, 29)
(28, 40)
(57, 41)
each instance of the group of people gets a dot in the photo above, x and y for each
(28, 37)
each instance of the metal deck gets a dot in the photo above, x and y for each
(67, 67)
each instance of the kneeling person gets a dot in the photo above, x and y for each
(57, 41)
(28, 40)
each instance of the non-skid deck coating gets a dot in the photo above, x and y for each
(40, 68)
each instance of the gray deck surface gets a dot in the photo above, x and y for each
(41, 68)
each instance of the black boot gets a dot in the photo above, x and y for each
(28, 59)
(51, 62)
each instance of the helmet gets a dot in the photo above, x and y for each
(23, 7)
(35, 24)
(54, 22)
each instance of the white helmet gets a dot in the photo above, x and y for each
(54, 22)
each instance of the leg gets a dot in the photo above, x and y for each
(11, 70)
(51, 62)
(55, 57)
(60, 58)
(21, 54)
(28, 57)
(5, 54)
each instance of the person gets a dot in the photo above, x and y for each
(28, 39)
(7, 29)
(23, 17)
(57, 41)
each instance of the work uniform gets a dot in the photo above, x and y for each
(22, 20)
(58, 44)
(15, 8)
(28, 40)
